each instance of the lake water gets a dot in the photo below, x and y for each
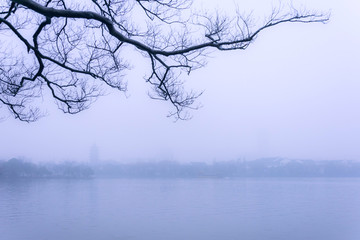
(198, 209)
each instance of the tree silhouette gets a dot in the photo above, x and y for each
(71, 49)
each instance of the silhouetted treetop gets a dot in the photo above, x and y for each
(73, 49)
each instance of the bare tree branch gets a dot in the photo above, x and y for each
(72, 50)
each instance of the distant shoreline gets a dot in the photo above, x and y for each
(261, 168)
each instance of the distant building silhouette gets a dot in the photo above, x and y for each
(94, 154)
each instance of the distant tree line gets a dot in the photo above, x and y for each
(265, 167)
(17, 168)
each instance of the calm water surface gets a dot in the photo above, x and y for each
(205, 209)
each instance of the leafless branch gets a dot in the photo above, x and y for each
(73, 50)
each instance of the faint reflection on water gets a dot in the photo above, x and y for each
(255, 209)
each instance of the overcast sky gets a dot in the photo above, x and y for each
(293, 93)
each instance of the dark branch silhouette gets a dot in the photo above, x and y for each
(71, 50)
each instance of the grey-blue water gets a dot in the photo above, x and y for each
(205, 209)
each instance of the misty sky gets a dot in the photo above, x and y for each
(293, 93)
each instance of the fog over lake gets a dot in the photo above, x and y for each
(271, 150)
